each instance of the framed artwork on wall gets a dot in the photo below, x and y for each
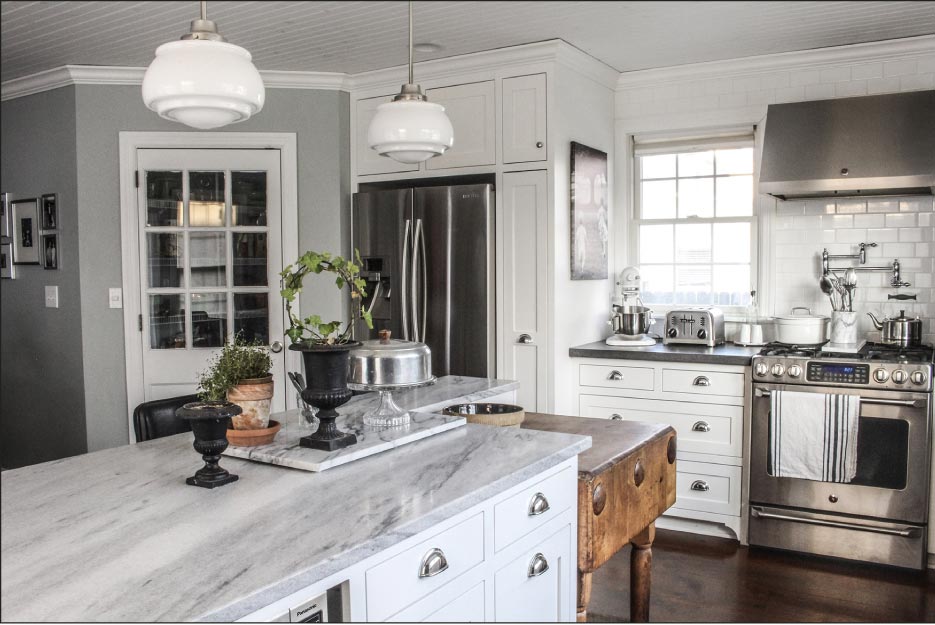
(5, 217)
(50, 251)
(6, 261)
(25, 231)
(590, 231)
(49, 212)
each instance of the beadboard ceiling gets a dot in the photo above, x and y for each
(358, 36)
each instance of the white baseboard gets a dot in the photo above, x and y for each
(693, 526)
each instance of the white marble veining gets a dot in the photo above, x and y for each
(117, 535)
(286, 451)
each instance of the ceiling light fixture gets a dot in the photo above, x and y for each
(203, 81)
(410, 129)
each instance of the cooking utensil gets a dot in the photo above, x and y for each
(850, 285)
(801, 329)
(902, 330)
(827, 287)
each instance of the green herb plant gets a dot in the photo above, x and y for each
(312, 330)
(237, 361)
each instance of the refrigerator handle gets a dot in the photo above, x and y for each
(404, 291)
(417, 231)
(424, 282)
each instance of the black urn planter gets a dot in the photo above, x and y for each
(326, 372)
(209, 421)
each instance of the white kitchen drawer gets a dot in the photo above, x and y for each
(467, 607)
(702, 382)
(520, 595)
(723, 487)
(616, 376)
(703, 428)
(394, 584)
(515, 517)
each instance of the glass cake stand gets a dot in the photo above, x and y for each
(388, 413)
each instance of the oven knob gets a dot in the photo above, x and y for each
(881, 375)
(777, 370)
(760, 369)
(900, 376)
(672, 332)
(795, 371)
(917, 377)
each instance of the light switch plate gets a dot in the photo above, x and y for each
(51, 297)
(116, 298)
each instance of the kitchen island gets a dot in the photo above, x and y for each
(117, 535)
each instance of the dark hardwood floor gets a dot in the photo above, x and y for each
(704, 579)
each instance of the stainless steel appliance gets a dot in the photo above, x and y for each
(902, 330)
(882, 514)
(630, 319)
(696, 325)
(428, 258)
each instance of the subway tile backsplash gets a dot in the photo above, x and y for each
(902, 227)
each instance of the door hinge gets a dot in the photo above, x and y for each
(139, 322)
(136, 178)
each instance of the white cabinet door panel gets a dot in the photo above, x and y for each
(533, 587)
(524, 119)
(471, 109)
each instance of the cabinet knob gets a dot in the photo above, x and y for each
(433, 563)
(539, 144)
(701, 426)
(701, 381)
(537, 566)
(538, 505)
(615, 375)
(701, 486)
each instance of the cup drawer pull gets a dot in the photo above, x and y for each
(616, 417)
(701, 486)
(433, 563)
(701, 381)
(615, 375)
(537, 566)
(701, 426)
(538, 505)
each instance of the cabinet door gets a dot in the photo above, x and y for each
(535, 586)
(522, 242)
(368, 161)
(471, 111)
(524, 119)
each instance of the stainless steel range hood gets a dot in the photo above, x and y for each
(874, 145)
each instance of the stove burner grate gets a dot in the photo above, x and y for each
(870, 351)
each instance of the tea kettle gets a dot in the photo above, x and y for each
(902, 330)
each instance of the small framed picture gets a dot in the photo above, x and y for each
(49, 211)
(50, 251)
(25, 232)
(6, 261)
(5, 217)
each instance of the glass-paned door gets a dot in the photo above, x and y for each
(210, 257)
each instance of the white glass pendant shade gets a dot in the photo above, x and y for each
(203, 84)
(410, 131)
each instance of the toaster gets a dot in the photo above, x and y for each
(695, 325)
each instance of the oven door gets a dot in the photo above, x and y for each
(892, 458)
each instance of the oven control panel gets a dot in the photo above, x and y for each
(837, 373)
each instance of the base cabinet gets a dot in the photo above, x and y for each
(532, 587)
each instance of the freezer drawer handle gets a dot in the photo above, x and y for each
(701, 426)
(909, 403)
(433, 563)
(909, 532)
(615, 375)
(538, 505)
(701, 486)
(537, 566)
(701, 381)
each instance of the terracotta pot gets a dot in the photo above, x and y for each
(254, 396)
(251, 438)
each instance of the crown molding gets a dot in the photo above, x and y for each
(117, 75)
(802, 59)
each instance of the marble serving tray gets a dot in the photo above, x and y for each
(286, 451)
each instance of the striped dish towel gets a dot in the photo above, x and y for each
(813, 436)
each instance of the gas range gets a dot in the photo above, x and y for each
(876, 366)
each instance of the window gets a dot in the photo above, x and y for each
(695, 234)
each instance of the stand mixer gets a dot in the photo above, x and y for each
(630, 320)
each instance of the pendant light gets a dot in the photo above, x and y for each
(202, 81)
(410, 129)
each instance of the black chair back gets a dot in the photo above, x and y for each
(155, 419)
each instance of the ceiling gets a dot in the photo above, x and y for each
(358, 36)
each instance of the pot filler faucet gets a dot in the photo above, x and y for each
(895, 282)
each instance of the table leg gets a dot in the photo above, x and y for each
(641, 561)
(584, 595)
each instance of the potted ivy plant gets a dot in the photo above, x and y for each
(325, 344)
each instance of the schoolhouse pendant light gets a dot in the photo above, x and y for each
(203, 81)
(410, 129)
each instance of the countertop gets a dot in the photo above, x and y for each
(117, 535)
(727, 354)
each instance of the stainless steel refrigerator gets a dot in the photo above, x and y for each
(428, 258)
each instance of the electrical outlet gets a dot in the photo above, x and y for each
(51, 297)
(116, 298)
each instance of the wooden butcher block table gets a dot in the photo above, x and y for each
(625, 481)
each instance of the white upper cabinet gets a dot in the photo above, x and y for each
(368, 161)
(472, 111)
(524, 119)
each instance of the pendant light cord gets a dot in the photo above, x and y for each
(204, 9)
(410, 43)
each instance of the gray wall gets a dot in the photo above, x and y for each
(42, 410)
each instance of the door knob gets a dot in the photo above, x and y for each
(524, 339)
(276, 347)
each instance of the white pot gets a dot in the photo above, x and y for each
(801, 329)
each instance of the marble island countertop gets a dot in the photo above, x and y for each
(117, 535)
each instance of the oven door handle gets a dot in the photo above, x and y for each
(909, 403)
(909, 532)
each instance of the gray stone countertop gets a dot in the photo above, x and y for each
(117, 535)
(727, 354)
